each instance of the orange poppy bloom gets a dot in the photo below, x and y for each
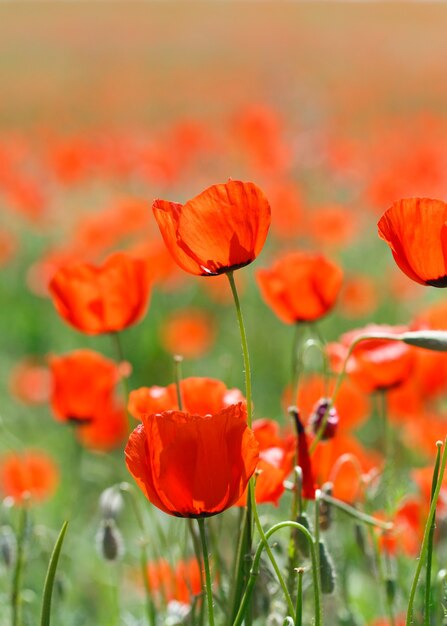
(199, 395)
(191, 465)
(107, 430)
(83, 382)
(180, 582)
(300, 286)
(375, 364)
(189, 332)
(102, 299)
(220, 230)
(415, 229)
(29, 475)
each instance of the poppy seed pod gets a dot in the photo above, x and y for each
(220, 230)
(325, 416)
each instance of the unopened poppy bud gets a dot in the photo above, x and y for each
(429, 339)
(325, 509)
(327, 571)
(110, 542)
(110, 503)
(390, 585)
(302, 544)
(8, 545)
(324, 416)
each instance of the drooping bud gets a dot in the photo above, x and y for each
(429, 339)
(8, 546)
(302, 544)
(110, 503)
(110, 542)
(327, 571)
(324, 416)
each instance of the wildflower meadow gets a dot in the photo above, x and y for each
(223, 254)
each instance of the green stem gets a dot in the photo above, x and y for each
(428, 525)
(299, 598)
(297, 506)
(150, 607)
(120, 354)
(178, 377)
(383, 582)
(355, 513)
(244, 343)
(208, 586)
(17, 577)
(430, 543)
(269, 552)
(245, 530)
(254, 572)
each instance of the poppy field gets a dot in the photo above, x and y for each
(223, 254)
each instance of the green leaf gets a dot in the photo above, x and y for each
(49, 580)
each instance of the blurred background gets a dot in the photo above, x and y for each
(335, 110)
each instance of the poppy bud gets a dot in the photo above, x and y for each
(110, 503)
(325, 414)
(390, 585)
(429, 339)
(301, 541)
(327, 571)
(8, 545)
(110, 542)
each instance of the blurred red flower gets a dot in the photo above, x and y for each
(30, 382)
(300, 286)
(180, 582)
(199, 395)
(189, 332)
(102, 299)
(32, 474)
(83, 383)
(220, 230)
(416, 231)
(374, 364)
(107, 430)
(191, 465)
(276, 454)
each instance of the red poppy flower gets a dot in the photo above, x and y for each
(180, 582)
(300, 286)
(416, 231)
(102, 299)
(83, 382)
(220, 230)
(375, 364)
(107, 430)
(276, 454)
(31, 474)
(199, 395)
(191, 465)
